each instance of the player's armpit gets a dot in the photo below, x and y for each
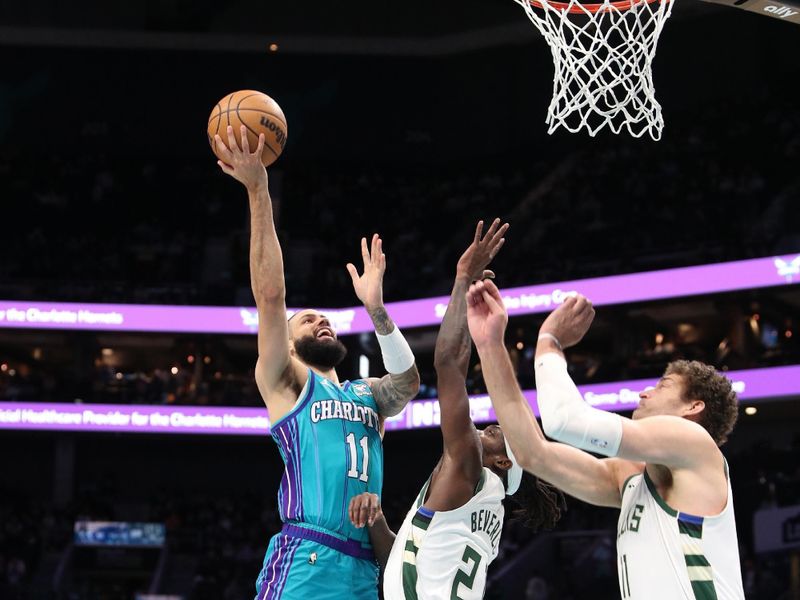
(280, 395)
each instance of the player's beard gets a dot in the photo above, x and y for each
(324, 354)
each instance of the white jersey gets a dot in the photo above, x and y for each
(439, 555)
(666, 555)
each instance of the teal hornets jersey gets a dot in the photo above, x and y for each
(331, 447)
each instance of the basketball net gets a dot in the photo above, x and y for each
(603, 55)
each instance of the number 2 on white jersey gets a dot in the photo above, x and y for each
(467, 579)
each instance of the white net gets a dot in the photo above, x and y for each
(603, 55)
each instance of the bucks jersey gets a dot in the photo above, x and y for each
(663, 554)
(445, 554)
(331, 446)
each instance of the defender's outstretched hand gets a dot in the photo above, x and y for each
(472, 264)
(241, 164)
(369, 285)
(486, 314)
(364, 509)
(570, 321)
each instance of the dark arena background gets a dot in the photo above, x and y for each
(413, 120)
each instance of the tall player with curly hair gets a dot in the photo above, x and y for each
(452, 531)
(676, 535)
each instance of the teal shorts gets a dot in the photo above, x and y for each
(305, 569)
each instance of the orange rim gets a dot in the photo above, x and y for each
(621, 5)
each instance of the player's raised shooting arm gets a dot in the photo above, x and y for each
(269, 290)
(266, 259)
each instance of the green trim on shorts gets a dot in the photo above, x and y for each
(704, 590)
(409, 581)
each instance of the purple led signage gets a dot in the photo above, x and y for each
(751, 385)
(619, 289)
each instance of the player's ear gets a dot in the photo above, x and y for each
(694, 407)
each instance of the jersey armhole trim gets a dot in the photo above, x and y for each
(423, 492)
(625, 485)
(659, 500)
(481, 483)
(427, 512)
(681, 516)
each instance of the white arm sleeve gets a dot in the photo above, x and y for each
(397, 355)
(566, 417)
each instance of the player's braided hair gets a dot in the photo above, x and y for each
(540, 504)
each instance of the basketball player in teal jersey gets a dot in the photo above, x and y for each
(452, 531)
(328, 433)
(676, 536)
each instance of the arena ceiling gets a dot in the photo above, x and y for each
(353, 26)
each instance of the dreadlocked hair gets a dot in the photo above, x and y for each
(540, 504)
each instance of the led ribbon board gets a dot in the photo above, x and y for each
(617, 289)
(751, 385)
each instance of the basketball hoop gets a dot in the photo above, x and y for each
(603, 55)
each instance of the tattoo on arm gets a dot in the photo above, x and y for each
(453, 344)
(381, 319)
(393, 392)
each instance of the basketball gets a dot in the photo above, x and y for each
(258, 113)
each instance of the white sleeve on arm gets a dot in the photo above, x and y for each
(397, 355)
(566, 417)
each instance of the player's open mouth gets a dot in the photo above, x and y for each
(325, 333)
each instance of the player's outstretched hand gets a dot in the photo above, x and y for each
(481, 251)
(365, 509)
(486, 314)
(241, 164)
(369, 286)
(570, 321)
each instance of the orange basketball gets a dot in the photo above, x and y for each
(258, 113)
